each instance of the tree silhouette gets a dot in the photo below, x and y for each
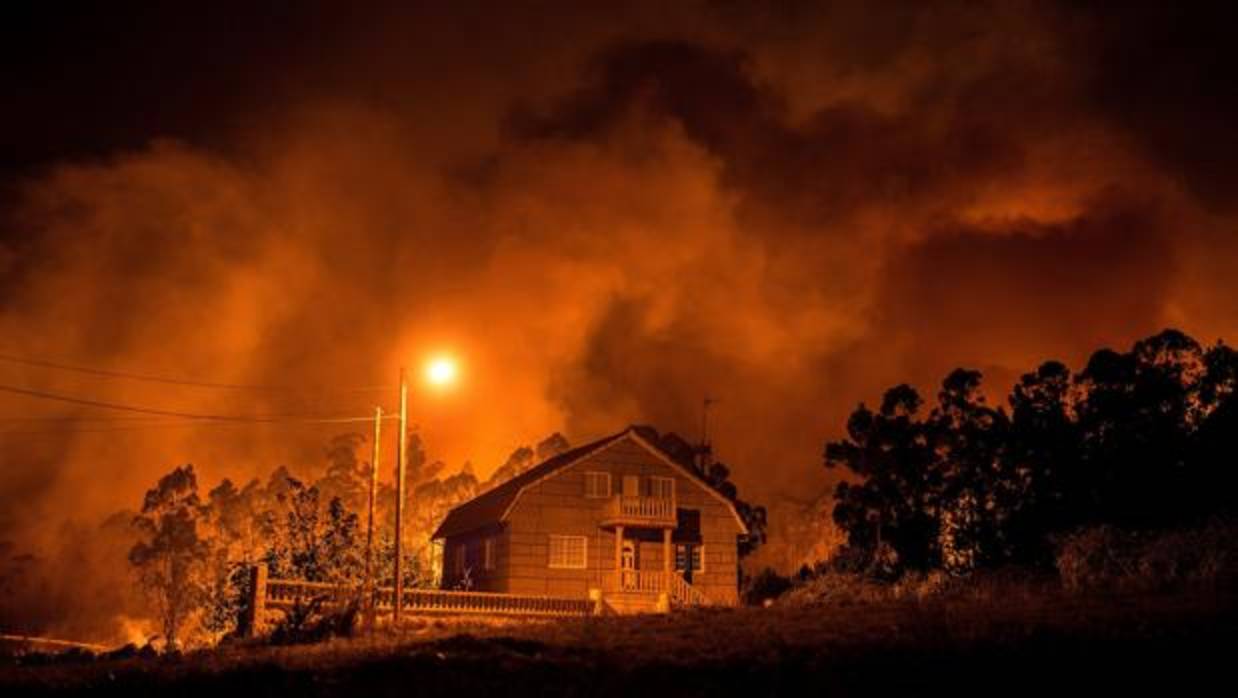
(170, 555)
(1142, 439)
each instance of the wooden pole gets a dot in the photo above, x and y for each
(400, 458)
(369, 522)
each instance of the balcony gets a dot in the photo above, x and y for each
(656, 512)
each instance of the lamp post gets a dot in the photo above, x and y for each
(400, 459)
(369, 522)
(440, 372)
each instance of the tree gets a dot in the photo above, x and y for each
(310, 541)
(551, 446)
(979, 490)
(1045, 453)
(890, 516)
(1143, 439)
(347, 477)
(170, 556)
(753, 516)
(343, 560)
(1215, 447)
(519, 461)
(1138, 415)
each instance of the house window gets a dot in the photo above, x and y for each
(488, 554)
(568, 552)
(597, 485)
(461, 551)
(698, 557)
(662, 487)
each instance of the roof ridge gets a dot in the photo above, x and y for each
(491, 504)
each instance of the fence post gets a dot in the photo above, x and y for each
(255, 610)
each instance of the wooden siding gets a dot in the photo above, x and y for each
(482, 579)
(557, 505)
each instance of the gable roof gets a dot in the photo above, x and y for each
(494, 505)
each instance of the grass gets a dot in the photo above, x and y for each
(1006, 645)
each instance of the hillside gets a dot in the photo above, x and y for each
(962, 646)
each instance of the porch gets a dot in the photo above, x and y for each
(644, 575)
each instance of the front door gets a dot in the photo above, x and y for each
(627, 563)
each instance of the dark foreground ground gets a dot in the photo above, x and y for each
(1010, 645)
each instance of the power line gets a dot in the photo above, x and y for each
(125, 375)
(166, 413)
(183, 424)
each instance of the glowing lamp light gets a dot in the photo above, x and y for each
(441, 371)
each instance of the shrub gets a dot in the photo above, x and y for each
(313, 621)
(1106, 558)
(841, 588)
(765, 586)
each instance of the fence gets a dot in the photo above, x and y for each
(284, 594)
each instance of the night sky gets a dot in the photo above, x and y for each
(606, 213)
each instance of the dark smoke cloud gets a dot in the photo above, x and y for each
(786, 207)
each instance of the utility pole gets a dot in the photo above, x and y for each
(400, 458)
(369, 522)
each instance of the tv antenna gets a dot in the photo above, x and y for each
(705, 450)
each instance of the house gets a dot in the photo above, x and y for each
(616, 519)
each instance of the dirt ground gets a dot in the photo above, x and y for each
(1179, 643)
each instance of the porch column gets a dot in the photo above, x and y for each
(666, 559)
(619, 554)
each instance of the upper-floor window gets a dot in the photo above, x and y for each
(597, 484)
(568, 552)
(662, 487)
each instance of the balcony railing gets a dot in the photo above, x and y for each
(640, 510)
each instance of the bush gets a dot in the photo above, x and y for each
(767, 585)
(842, 588)
(313, 622)
(1108, 558)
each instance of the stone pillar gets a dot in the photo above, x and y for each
(255, 611)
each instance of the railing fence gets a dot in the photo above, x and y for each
(285, 594)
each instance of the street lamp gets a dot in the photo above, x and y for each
(440, 372)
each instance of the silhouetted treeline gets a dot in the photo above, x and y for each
(1144, 439)
(192, 552)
